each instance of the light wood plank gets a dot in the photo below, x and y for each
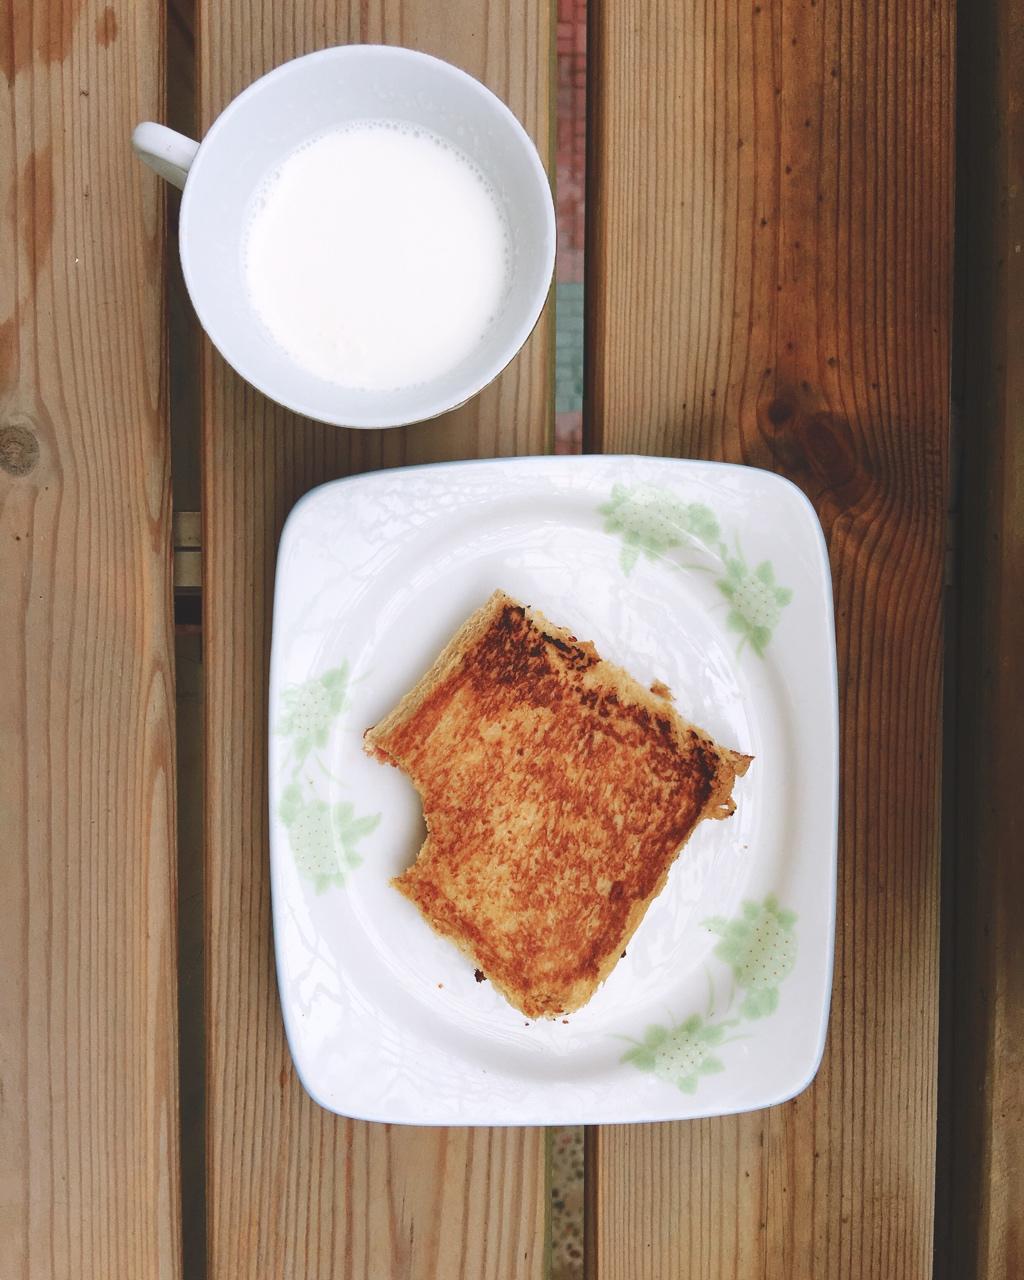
(769, 282)
(293, 1192)
(89, 1181)
(983, 1230)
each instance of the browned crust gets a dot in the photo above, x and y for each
(557, 792)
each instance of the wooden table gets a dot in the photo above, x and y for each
(770, 280)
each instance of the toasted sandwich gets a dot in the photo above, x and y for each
(557, 792)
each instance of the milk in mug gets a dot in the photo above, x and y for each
(377, 255)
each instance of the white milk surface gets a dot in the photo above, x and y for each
(377, 256)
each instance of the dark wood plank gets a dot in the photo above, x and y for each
(89, 1183)
(769, 278)
(982, 1230)
(292, 1191)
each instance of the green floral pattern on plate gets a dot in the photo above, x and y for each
(682, 1055)
(757, 600)
(653, 522)
(308, 710)
(324, 837)
(759, 946)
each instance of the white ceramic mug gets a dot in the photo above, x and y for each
(311, 96)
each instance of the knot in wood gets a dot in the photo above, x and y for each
(831, 451)
(779, 411)
(19, 449)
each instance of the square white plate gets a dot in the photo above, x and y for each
(709, 577)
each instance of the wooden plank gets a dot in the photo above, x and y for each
(769, 276)
(983, 1233)
(89, 1181)
(293, 1191)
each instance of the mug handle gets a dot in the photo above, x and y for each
(169, 153)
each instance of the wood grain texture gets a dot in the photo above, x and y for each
(292, 1191)
(88, 1081)
(982, 1230)
(769, 279)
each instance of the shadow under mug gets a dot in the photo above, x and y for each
(270, 119)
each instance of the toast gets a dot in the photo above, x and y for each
(557, 792)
